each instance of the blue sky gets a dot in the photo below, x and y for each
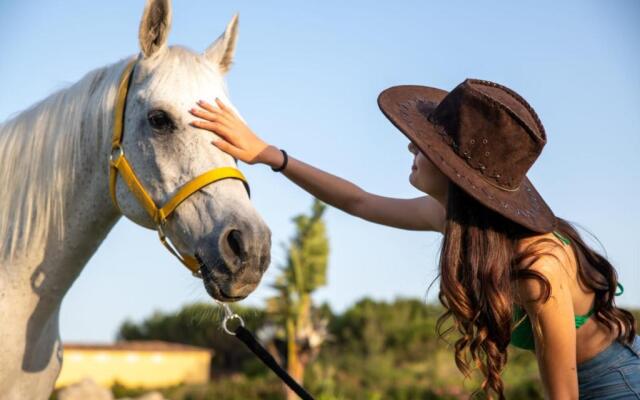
(306, 77)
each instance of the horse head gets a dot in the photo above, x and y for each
(216, 224)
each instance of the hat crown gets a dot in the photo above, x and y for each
(493, 129)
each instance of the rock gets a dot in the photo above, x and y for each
(151, 396)
(146, 396)
(84, 390)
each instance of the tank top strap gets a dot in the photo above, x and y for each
(562, 238)
(581, 319)
(621, 289)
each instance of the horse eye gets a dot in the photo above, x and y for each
(160, 121)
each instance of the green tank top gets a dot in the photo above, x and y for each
(522, 334)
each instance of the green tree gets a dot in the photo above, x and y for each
(199, 324)
(292, 307)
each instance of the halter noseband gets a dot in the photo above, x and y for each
(118, 163)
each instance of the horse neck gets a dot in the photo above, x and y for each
(81, 215)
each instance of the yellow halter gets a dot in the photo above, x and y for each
(118, 164)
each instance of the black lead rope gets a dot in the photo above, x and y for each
(250, 341)
(256, 348)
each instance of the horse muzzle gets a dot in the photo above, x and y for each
(232, 268)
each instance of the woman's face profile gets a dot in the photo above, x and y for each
(425, 176)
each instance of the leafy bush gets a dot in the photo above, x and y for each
(378, 350)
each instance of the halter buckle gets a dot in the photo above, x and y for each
(117, 152)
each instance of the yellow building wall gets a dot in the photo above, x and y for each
(134, 368)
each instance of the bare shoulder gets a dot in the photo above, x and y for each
(542, 259)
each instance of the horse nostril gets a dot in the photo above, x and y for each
(234, 238)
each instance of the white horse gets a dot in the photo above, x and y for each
(55, 205)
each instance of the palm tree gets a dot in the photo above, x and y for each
(292, 307)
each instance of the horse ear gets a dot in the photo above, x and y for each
(221, 51)
(154, 26)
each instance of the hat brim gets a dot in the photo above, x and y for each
(408, 107)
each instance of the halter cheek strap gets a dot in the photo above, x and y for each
(119, 165)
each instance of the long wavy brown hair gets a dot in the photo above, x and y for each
(479, 263)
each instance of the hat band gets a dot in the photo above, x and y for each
(500, 187)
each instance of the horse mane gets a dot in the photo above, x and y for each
(40, 152)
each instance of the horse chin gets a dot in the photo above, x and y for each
(218, 294)
(211, 283)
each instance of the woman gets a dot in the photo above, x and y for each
(510, 270)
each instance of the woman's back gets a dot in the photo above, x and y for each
(592, 336)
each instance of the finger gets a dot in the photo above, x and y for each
(228, 134)
(207, 106)
(226, 147)
(221, 105)
(226, 109)
(215, 127)
(226, 114)
(215, 115)
(204, 114)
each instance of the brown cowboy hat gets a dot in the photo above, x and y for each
(481, 135)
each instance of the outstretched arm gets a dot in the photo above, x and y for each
(237, 139)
